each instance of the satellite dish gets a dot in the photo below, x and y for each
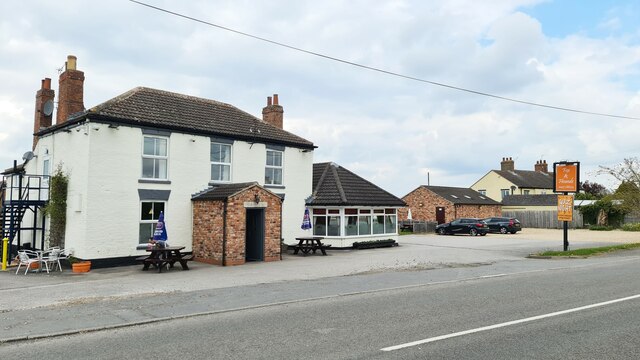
(47, 108)
(28, 156)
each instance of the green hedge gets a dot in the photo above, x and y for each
(600, 228)
(631, 227)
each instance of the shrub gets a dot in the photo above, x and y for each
(600, 228)
(631, 227)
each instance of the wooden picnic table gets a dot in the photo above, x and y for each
(161, 257)
(307, 244)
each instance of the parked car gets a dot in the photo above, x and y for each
(503, 225)
(469, 226)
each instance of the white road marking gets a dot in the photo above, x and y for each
(508, 323)
(492, 276)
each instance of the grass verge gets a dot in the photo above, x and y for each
(591, 251)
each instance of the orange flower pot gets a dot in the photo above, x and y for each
(80, 267)
(34, 265)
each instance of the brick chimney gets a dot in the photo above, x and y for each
(273, 113)
(44, 108)
(507, 164)
(541, 166)
(70, 91)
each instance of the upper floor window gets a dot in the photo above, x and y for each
(273, 169)
(483, 192)
(220, 162)
(504, 192)
(155, 157)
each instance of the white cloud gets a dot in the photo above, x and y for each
(387, 129)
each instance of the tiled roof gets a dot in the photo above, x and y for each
(160, 109)
(222, 192)
(528, 178)
(530, 200)
(462, 196)
(335, 185)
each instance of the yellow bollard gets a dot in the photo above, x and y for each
(5, 249)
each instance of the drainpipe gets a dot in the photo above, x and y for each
(224, 233)
(281, 239)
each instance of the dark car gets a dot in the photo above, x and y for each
(503, 225)
(469, 226)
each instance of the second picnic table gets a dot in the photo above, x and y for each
(160, 257)
(308, 244)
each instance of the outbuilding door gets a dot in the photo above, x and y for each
(440, 215)
(254, 235)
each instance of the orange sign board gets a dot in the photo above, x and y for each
(566, 177)
(565, 207)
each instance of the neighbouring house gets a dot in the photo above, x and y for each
(443, 203)
(149, 151)
(497, 184)
(346, 208)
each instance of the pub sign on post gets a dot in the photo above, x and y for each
(566, 177)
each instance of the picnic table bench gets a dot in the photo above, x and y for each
(310, 244)
(167, 256)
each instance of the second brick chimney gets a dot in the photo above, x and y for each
(44, 108)
(70, 91)
(507, 164)
(541, 166)
(273, 113)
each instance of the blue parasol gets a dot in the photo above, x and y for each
(160, 233)
(306, 220)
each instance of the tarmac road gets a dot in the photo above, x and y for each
(40, 305)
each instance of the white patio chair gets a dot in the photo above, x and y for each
(52, 257)
(28, 257)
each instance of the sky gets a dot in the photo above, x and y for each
(393, 131)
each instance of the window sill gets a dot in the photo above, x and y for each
(274, 186)
(215, 183)
(152, 181)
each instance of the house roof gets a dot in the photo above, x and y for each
(146, 107)
(335, 185)
(222, 192)
(528, 178)
(531, 200)
(462, 196)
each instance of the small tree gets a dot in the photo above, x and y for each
(604, 212)
(628, 173)
(591, 191)
(56, 209)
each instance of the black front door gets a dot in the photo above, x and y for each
(254, 237)
(440, 215)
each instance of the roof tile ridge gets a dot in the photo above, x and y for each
(334, 169)
(321, 181)
(186, 96)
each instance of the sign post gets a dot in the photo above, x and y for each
(566, 179)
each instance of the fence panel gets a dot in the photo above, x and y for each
(543, 219)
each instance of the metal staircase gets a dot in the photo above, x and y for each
(20, 194)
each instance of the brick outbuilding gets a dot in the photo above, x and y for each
(236, 223)
(442, 204)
